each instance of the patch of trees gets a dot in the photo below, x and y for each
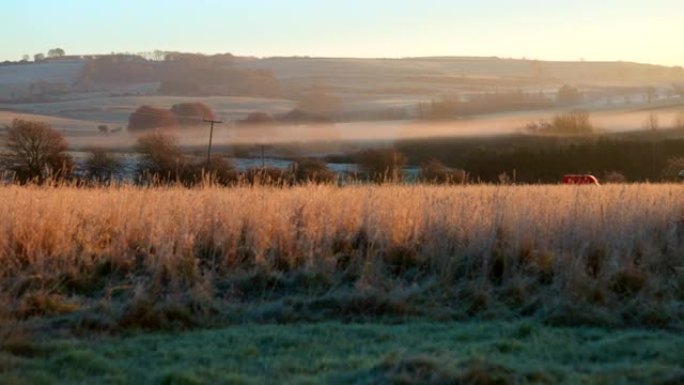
(118, 69)
(180, 115)
(547, 159)
(37, 152)
(192, 114)
(568, 95)
(569, 123)
(199, 80)
(319, 100)
(294, 116)
(456, 107)
(181, 74)
(163, 162)
(148, 118)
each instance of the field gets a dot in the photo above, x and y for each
(378, 284)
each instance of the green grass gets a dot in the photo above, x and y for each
(504, 352)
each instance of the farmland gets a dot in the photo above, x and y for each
(458, 280)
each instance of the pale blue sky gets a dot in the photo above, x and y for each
(630, 30)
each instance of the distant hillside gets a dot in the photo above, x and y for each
(16, 79)
(468, 67)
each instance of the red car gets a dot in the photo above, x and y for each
(580, 179)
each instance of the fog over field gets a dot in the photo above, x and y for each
(362, 99)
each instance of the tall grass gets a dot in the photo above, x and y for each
(568, 254)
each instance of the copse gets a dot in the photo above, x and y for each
(149, 118)
(192, 114)
(163, 162)
(570, 123)
(37, 152)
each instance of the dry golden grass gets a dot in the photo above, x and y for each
(539, 250)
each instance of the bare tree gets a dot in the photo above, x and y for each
(38, 57)
(36, 151)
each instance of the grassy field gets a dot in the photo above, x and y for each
(359, 284)
(517, 352)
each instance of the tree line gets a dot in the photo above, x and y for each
(37, 153)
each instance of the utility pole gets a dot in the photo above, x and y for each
(211, 134)
(263, 148)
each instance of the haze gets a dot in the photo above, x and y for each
(550, 30)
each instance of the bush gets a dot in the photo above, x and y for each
(101, 165)
(161, 158)
(434, 171)
(36, 152)
(267, 177)
(312, 171)
(219, 170)
(576, 122)
(382, 165)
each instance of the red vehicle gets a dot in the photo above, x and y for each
(580, 179)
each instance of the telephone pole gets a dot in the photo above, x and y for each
(211, 134)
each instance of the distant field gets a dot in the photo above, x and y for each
(85, 115)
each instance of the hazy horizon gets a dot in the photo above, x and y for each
(562, 31)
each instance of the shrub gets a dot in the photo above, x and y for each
(161, 157)
(266, 177)
(312, 171)
(219, 170)
(36, 152)
(382, 165)
(101, 165)
(576, 122)
(434, 171)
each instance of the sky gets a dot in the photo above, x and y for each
(628, 30)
